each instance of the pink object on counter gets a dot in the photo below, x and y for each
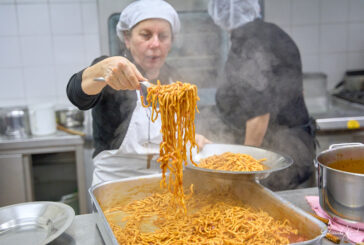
(352, 234)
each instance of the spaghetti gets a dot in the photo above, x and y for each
(176, 103)
(218, 218)
(211, 219)
(232, 162)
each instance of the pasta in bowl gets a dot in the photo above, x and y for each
(229, 161)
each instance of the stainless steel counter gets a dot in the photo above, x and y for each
(343, 122)
(53, 140)
(84, 230)
(341, 115)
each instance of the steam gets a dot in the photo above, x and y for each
(291, 143)
(198, 50)
(261, 75)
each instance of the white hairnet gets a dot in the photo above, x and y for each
(141, 10)
(230, 14)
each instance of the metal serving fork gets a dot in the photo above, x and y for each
(143, 88)
(145, 83)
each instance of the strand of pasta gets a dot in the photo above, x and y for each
(176, 103)
(232, 162)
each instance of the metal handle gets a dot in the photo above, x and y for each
(334, 146)
(145, 83)
(99, 79)
(315, 163)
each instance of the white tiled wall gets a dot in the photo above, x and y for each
(329, 33)
(42, 43)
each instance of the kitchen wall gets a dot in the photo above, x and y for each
(42, 43)
(329, 33)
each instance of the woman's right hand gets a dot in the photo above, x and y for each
(119, 74)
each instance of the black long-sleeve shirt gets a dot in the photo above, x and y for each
(111, 109)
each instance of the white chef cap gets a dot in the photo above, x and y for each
(141, 10)
(230, 14)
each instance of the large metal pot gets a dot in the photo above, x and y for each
(341, 193)
(70, 117)
(14, 122)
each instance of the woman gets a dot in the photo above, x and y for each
(261, 101)
(126, 141)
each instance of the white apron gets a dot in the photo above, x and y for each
(138, 152)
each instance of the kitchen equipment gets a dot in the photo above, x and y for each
(275, 161)
(108, 194)
(315, 92)
(143, 88)
(34, 223)
(329, 236)
(70, 117)
(145, 83)
(42, 119)
(71, 200)
(341, 193)
(14, 122)
(70, 131)
(352, 87)
(354, 80)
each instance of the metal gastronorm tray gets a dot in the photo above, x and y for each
(108, 194)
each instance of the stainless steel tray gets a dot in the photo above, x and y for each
(109, 194)
(275, 161)
(34, 223)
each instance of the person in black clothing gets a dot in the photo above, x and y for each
(126, 141)
(260, 102)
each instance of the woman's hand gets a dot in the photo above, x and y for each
(119, 73)
(201, 141)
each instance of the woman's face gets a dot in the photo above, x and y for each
(149, 43)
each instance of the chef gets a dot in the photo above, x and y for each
(126, 141)
(260, 100)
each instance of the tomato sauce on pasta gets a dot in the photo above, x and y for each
(232, 162)
(213, 218)
(216, 218)
(176, 103)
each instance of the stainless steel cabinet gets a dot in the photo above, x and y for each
(15, 181)
(19, 180)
